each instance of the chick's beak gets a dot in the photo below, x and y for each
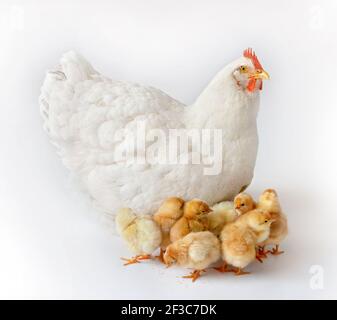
(260, 74)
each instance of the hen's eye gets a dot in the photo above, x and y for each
(243, 69)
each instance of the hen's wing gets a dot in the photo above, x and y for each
(84, 113)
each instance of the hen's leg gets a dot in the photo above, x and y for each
(136, 259)
(194, 275)
(275, 251)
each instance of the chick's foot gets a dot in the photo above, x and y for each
(261, 254)
(275, 251)
(136, 259)
(194, 275)
(240, 272)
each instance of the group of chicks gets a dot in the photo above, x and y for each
(194, 235)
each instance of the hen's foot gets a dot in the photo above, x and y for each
(261, 254)
(240, 272)
(223, 268)
(275, 251)
(194, 275)
(136, 259)
(161, 256)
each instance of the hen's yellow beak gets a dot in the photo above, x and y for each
(260, 74)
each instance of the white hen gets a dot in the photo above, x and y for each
(83, 111)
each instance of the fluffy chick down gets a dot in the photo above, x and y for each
(197, 250)
(227, 211)
(269, 201)
(140, 232)
(194, 219)
(167, 215)
(239, 238)
(221, 214)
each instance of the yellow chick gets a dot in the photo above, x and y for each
(166, 216)
(227, 211)
(141, 234)
(269, 201)
(197, 251)
(244, 203)
(194, 219)
(239, 239)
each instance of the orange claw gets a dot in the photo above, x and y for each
(194, 275)
(261, 254)
(240, 272)
(275, 251)
(136, 259)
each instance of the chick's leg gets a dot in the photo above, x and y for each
(240, 272)
(194, 275)
(275, 251)
(161, 255)
(223, 268)
(136, 259)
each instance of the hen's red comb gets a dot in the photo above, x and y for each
(250, 54)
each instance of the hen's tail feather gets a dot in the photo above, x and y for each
(56, 93)
(75, 68)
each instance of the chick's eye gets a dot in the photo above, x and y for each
(265, 221)
(242, 204)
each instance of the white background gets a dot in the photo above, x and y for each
(52, 245)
